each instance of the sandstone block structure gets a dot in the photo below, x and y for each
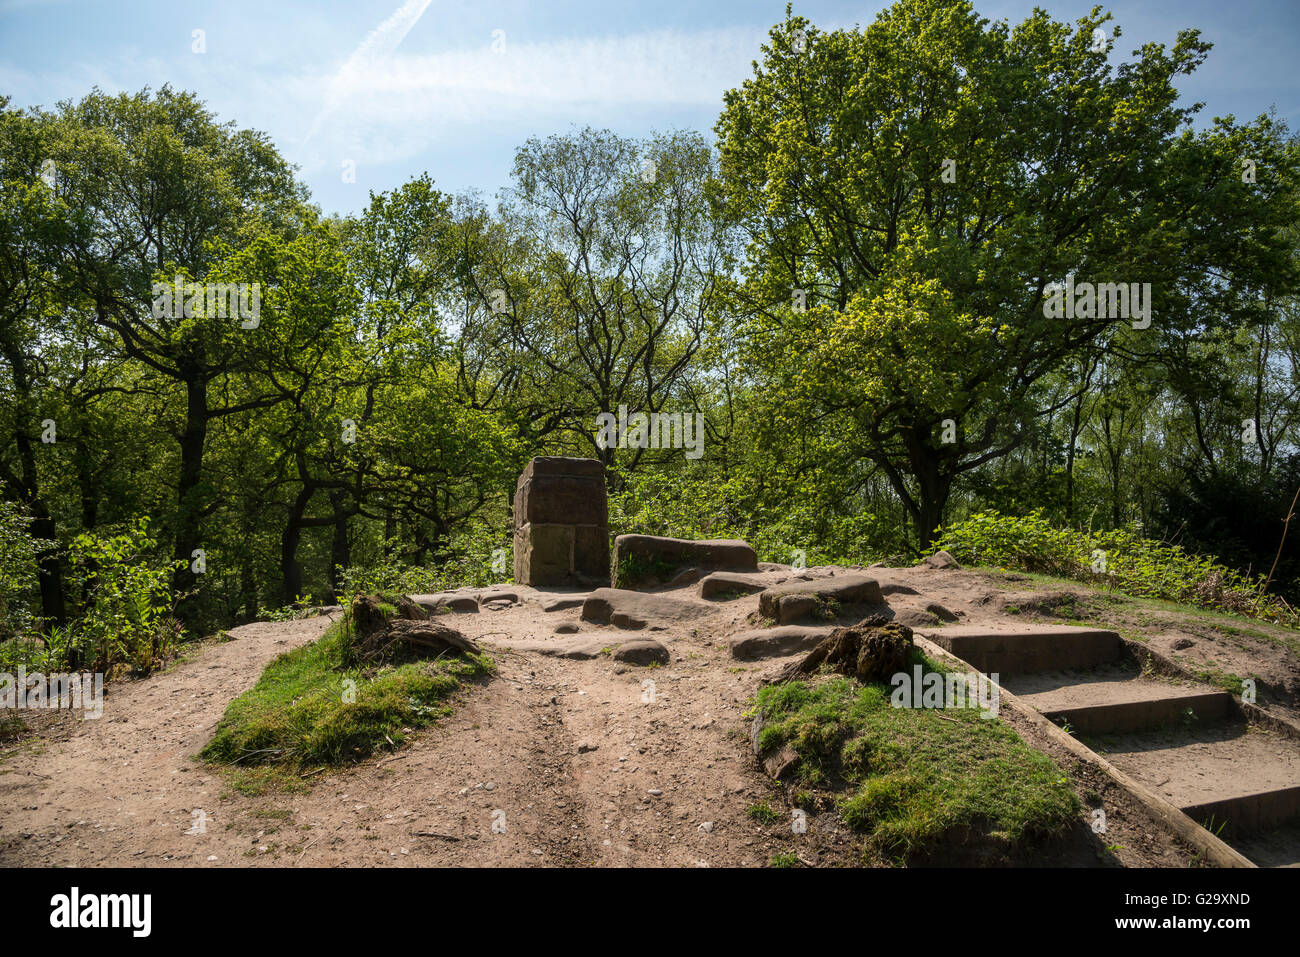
(642, 558)
(561, 534)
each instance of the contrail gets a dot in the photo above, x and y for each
(380, 43)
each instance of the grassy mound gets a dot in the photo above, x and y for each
(311, 709)
(919, 783)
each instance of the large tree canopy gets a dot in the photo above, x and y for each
(858, 288)
(912, 189)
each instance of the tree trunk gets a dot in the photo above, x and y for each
(189, 493)
(933, 483)
(49, 569)
(290, 568)
(340, 547)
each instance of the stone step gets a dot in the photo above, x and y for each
(1248, 813)
(1216, 772)
(1012, 649)
(1103, 707)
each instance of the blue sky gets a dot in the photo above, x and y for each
(398, 87)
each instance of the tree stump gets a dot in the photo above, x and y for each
(872, 650)
(410, 634)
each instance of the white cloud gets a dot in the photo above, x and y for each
(392, 107)
(380, 44)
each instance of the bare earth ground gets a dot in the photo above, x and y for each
(553, 762)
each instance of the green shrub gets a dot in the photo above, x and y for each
(1119, 558)
(470, 562)
(124, 617)
(19, 592)
(126, 611)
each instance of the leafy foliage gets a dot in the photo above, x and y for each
(1118, 558)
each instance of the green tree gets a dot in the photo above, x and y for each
(923, 180)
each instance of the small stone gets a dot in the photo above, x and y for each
(707, 827)
(586, 746)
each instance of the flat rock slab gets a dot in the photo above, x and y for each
(564, 602)
(793, 600)
(1012, 649)
(777, 642)
(447, 601)
(578, 648)
(735, 584)
(625, 608)
(653, 550)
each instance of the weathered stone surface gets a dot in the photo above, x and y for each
(733, 584)
(561, 500)
(446, 601)
(774, 567)
(897, 589)
(791, 608)
(564, 602)
(786, 602)
(591, 553)
(578, 647)
(633, 609)
(777, 642)
(686, 576)
(497, 595)
(642, 653)
(543, 554)
(915, 617)
(939, 611)
(561, 533)
(654, 556)
(941, 559)
(562, 465)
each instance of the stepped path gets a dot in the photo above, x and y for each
(1188, 742)
(614, 734)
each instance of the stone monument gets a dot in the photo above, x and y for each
(561, 534)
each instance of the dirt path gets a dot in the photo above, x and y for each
(121, 789)
(555, 761)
